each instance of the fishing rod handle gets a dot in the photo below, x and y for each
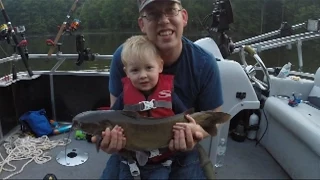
(249, 50)
(4, 13)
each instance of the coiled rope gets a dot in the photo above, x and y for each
(28, 148)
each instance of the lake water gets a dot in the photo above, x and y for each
(107, 43)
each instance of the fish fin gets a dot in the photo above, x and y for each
(216, 118)
(98, 142)
(132, 114)
(223, 117)
(189, 111)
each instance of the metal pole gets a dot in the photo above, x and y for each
(299, 48)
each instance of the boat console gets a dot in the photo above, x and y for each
(238, 93)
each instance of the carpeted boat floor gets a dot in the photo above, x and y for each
(242, 161)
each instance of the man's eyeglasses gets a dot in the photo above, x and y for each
(170, 12)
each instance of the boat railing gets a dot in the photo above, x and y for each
(61, 58)
(259, 47)
(310, 34)
(266, 35)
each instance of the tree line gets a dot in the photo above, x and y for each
(251, 17)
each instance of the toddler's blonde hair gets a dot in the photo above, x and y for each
(137, 47)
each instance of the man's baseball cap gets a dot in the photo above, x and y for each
(143, 3)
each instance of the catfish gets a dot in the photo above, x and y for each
(143, 133)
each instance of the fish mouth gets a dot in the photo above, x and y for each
(84, 127)
(76, 125)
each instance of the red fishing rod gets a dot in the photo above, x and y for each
(62, 29)
(17, 45)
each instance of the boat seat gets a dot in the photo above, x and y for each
(292, 137)
(314, 96)
(303, 120)
(293, 134)
(285, 87)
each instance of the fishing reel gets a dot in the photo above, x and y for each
(226, 45)
(23, 43)
(4, 32)
(74, 25)
(71, 27)
(84, 54)
(285, 29)
(222, 17)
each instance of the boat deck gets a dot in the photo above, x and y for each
(245, 160)
(242, 161)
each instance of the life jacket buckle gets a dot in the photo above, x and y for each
(154, 153)
(134, 169)
(147, 105)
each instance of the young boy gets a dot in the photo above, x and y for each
(150, 93)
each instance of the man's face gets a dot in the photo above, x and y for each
(165, 32)
(144, 73)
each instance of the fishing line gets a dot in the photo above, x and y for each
(27, 148)
(5, 53)
(65, 148)
(66, 29)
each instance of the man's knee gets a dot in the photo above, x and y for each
(190, 158)
(187, 166)
(124, 172)
(111, 170)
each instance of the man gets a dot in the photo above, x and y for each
(197, 83)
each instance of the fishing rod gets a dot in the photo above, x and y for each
(84, 53)
(222, 17)
(17, 45)
(63, 28)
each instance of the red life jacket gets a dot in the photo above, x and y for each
(162, 94)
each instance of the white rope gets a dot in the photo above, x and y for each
(28, 148)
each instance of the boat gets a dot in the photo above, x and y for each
(286, 145)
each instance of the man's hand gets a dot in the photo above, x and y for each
(113, 141)
(186, 135)
(194, 127)
(184, 139)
